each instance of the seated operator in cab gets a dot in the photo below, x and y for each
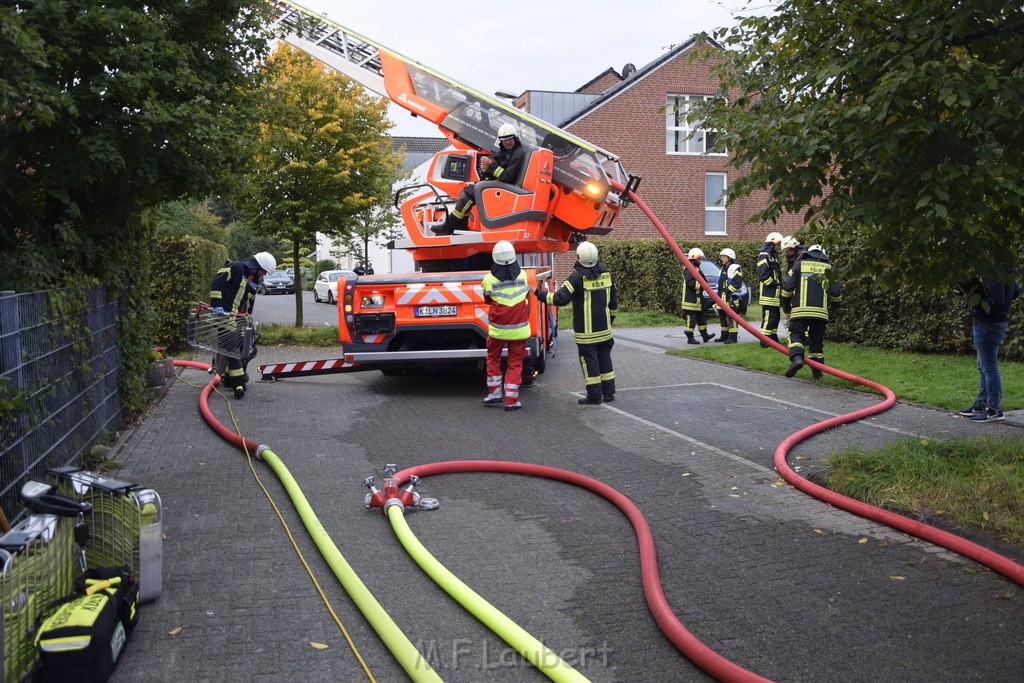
(504, 167)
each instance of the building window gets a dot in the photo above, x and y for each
(682, 137)
(714, 204)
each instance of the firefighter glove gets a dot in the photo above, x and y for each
(541, 295)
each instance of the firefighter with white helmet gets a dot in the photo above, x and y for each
(808, 292)
(733, 291)
(769, 275)
(695, 316)
(233, 290)
(594, 300)
(507, 293)
(503, 167)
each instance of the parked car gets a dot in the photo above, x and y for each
(711, 271)
(326, 286)
(278, 282)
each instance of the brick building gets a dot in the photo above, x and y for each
(638, 114)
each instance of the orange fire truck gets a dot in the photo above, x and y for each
(437, 315)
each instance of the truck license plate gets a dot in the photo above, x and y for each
(434, 311)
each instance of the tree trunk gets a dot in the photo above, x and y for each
(298, 284)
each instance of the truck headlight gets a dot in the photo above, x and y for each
(372, 301)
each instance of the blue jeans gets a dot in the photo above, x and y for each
(987, 338)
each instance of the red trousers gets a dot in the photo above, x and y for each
(514, 372)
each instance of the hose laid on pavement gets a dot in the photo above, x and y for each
(957, 544)
(536, 652)
(408, 657)
(699, 653)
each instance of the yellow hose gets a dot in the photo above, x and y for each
(545, 659)
(409, 658)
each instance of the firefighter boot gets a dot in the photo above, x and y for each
(240, 392)
(707, 336)
(796, 362)
(723, 337)
(816, 373)
(442, 227)
(690, 339)
(773, 337)
(732, 338)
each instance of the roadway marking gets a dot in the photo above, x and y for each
(780, 401)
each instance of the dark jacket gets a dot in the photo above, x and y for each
(808, 291)
(995, 297)
(693, 299)
(769, 274)
(507, 164)
(594, 302)
(234, 286)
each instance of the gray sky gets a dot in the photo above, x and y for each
(528, 44)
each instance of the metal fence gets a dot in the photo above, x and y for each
(59, 372)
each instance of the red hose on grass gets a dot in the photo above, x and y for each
(699, 653)
(962, 546)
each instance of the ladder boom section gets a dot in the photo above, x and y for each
(470, 116)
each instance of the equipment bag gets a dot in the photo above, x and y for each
(84, 637)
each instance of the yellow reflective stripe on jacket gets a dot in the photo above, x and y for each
(602, 283)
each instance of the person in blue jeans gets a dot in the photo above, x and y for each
(990, 300)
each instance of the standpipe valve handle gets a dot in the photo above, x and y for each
(392, 494)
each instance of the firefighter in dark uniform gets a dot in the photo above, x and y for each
(733, 292)
(233, 290)
(807, 293)
(769, 275)
(594, 302)
(504, 167)
(695, 316)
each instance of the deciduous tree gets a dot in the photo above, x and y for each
(321, 156)
(896, 122)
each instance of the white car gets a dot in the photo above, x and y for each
(326, 286)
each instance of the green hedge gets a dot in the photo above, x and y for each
(649, 277)
(181, 272)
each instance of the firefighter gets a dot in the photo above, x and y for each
(504, 167)
(594, 302)
(733, 292)
(769, 275)
(507, 292)
(807, 293)
(233, 290)
(695, 316)
(792, 250)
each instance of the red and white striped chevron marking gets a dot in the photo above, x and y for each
(313, 367)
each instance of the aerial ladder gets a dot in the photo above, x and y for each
(438, 315)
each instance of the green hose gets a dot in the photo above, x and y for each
(409, 658)
(545, 659)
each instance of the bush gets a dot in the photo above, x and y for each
(181, 272)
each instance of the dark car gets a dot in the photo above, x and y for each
(278, 282)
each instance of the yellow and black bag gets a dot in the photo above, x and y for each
(82, 639)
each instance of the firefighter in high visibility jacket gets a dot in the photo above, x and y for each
(732, 290)
(769, 275)
(508, 324)
(594, 302)
(807, 294)
(233, 290)
(695, 315)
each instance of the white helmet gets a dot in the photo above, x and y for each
(695, 253)
(773, 237)
(587, 254)
(728, 252)
(789, 242)
(507, 130)
(817, 247)
(266, 260)
(503, 253)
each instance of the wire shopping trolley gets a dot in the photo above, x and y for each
(228, 334)
(126, 524)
